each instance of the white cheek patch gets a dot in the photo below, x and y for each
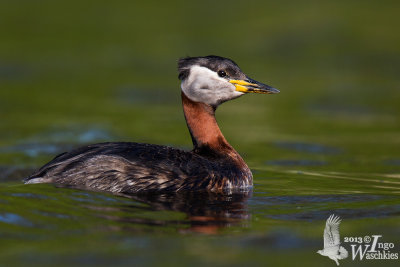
(204, 85)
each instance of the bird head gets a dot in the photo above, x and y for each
(213, 80)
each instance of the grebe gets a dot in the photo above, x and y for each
(212, 165)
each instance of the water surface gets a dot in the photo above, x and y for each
(73, 73)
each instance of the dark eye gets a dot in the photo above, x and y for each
(221, 73)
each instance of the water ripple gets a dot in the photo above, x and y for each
(12, 218)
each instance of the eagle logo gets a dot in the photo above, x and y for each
(332, 248)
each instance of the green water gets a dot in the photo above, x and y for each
(74, 72)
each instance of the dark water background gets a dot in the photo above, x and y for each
(78, 72)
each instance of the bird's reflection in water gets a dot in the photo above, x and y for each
(206, 212)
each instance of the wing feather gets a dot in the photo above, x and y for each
(331, 231)
(133, 167)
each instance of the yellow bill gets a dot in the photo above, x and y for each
(252, 86)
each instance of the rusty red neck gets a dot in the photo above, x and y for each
(202, 125)
(204, 129)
